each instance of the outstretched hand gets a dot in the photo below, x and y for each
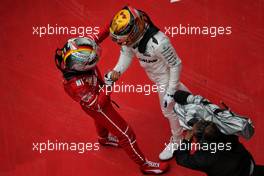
(115, 75)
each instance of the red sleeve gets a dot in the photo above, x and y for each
(98, 73)
(103, 34)
(103, 97)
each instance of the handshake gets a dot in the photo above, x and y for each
(113, 76)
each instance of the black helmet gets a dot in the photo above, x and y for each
(181, 96)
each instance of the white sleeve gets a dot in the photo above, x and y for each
(190, 115)
(195, 99)
(185, 114)
(125, 58)
(166, 51)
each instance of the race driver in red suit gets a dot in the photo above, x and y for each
(82, 82)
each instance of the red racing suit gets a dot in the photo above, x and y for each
(85, 88)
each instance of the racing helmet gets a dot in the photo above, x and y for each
(127, 26)
(80, 54)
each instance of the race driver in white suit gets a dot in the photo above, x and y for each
(133, 30)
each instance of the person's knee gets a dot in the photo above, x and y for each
(127, 136)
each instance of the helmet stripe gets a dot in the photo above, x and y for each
(67, 54)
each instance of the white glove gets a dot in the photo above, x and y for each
(167, 100)
(107, 79)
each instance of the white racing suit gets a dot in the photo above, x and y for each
(198, 108)
(163, 67)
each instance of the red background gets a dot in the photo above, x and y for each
(34, 107)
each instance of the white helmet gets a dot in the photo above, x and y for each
(80, 54)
